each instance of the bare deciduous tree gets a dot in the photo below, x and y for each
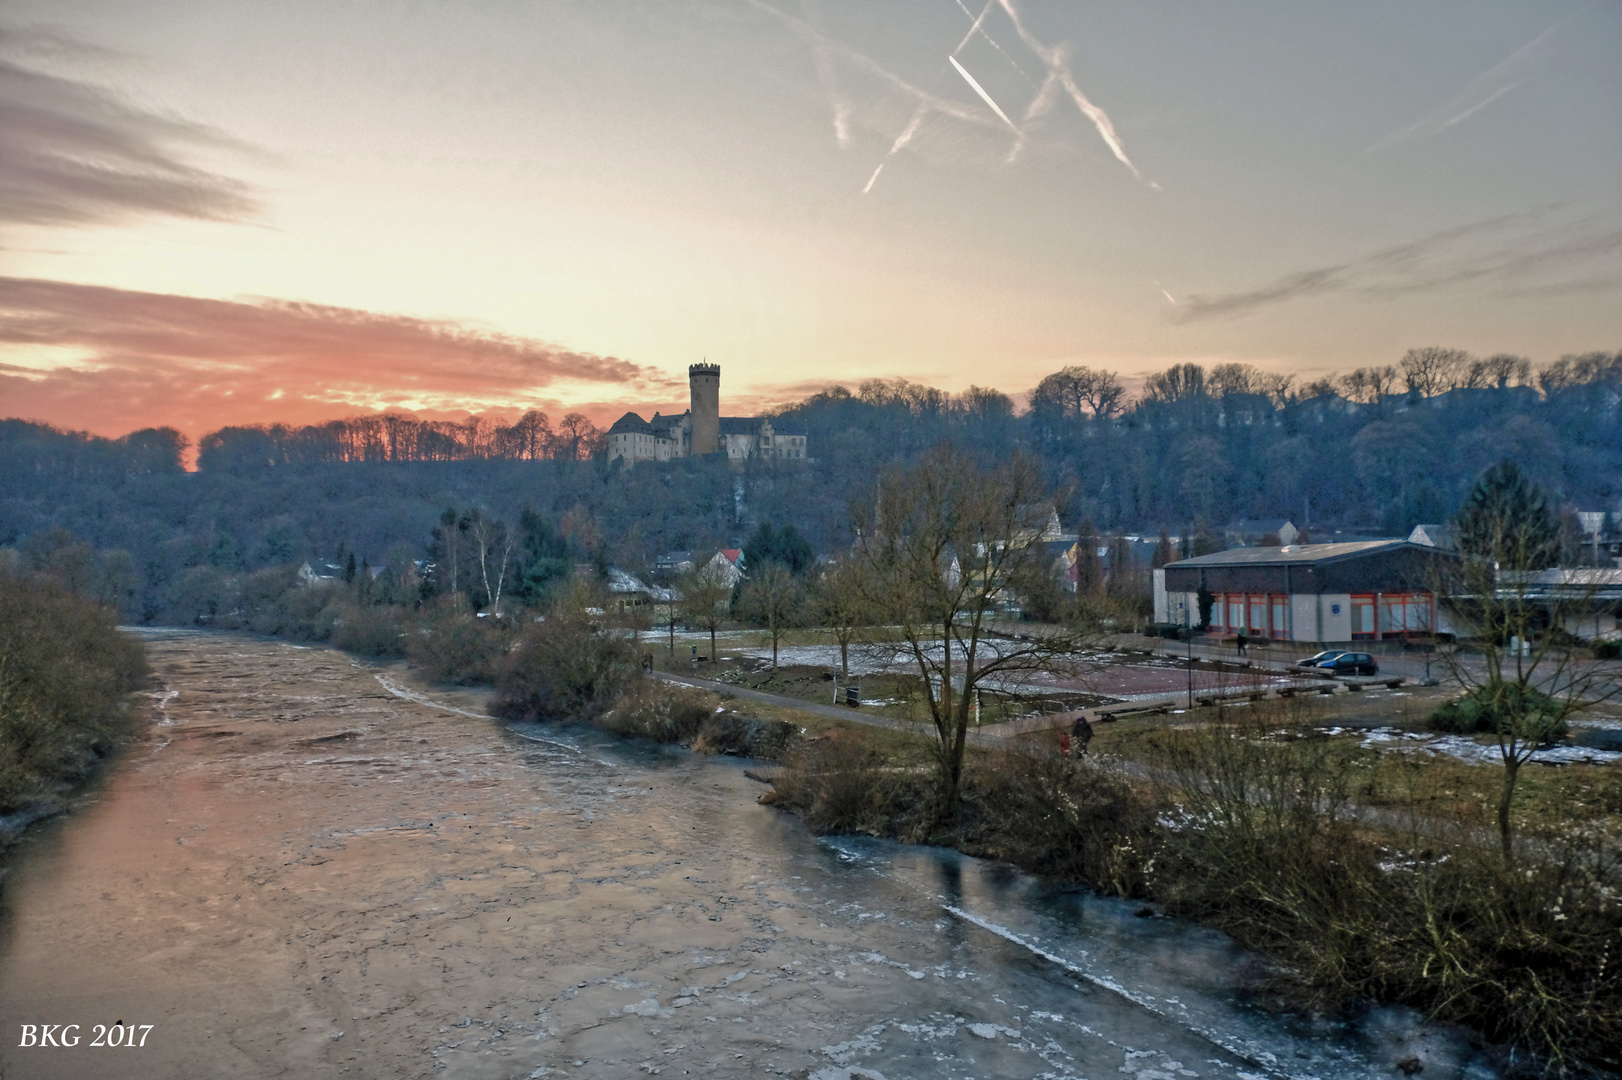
(945, 545)
(705, 599)
(1432, 370)
(1079, 392)
(839, 604)
(772, 597)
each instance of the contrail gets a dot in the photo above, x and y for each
(1480, 91)
(1164, 293)
(901, 140)
(1058, 67)
(983, 95)
(978, 27)
(816, 39)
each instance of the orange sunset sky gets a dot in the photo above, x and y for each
(220, 213)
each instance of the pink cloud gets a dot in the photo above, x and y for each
(145, 359)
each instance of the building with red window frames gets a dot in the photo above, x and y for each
(1367, 591)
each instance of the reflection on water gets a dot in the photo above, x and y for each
(320, 873)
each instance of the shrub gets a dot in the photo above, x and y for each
(839, 784)
(745, 736)
(370, 630)
(65, 676)
(1477, 713)
(1608, 650)
(452, 645)
(565, 668)
(653, 710)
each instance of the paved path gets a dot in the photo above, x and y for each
(836, 712)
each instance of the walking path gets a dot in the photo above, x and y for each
(856, 716)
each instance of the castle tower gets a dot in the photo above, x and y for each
(704, 380)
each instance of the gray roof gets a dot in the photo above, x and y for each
(1295, 553)
(630, 422)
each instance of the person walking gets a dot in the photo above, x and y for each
(1243, 641)
(1081, 733)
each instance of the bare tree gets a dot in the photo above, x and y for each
(705, 599)
(1228, 379)
(772, 597)
(1432, 370)
(946, 544)
(1511, 600)
(1078, 392)
(838, 603)
(494, 543)
(1180, 382)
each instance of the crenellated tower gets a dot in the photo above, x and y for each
(704, 383)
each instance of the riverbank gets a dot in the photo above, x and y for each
(67, 683)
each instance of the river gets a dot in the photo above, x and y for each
(313, 868)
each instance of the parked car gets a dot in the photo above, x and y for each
(1351, 663)
(1316, 660)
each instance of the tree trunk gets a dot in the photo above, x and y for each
(774, 648)
(1512, 768)
(712, 643)
(844, 659)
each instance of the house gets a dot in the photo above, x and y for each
(1330, 593)
(673, 562)
(1436, 536)
(728, 563)
(1265, 531)
(1061, 557)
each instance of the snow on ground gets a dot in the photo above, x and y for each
(1467, 749)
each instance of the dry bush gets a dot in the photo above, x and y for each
(745, 736)
(657, 711)
(451, 645)
(370, 630)
(840, 784)
(1058, 816)
(565, 668)
(65, 678)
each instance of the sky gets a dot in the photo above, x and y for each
(225, 212)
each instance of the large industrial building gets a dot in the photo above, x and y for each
(1329, 593)
(702, 429)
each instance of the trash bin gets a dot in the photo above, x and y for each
(853, 696)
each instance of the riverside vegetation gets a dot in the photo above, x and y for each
(67, 676)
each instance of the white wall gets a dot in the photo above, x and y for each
(1304, 617)
(1337, 626)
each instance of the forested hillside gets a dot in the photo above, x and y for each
(1377, 452)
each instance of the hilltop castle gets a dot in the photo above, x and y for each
(702, 429)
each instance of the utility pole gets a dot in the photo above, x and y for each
(1188, 636)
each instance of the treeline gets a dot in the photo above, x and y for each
(395, 437)
(1373, 452)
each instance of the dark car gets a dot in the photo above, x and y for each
(1350, 663)
(1318, 659)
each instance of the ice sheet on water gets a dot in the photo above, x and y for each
(1181, 973)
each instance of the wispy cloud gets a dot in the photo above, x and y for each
(1480, 91)
(1507, 249)
(74, 153)
(123, 359)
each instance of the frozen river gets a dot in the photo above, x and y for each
(304, 873)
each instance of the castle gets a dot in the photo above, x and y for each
(702, 429)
